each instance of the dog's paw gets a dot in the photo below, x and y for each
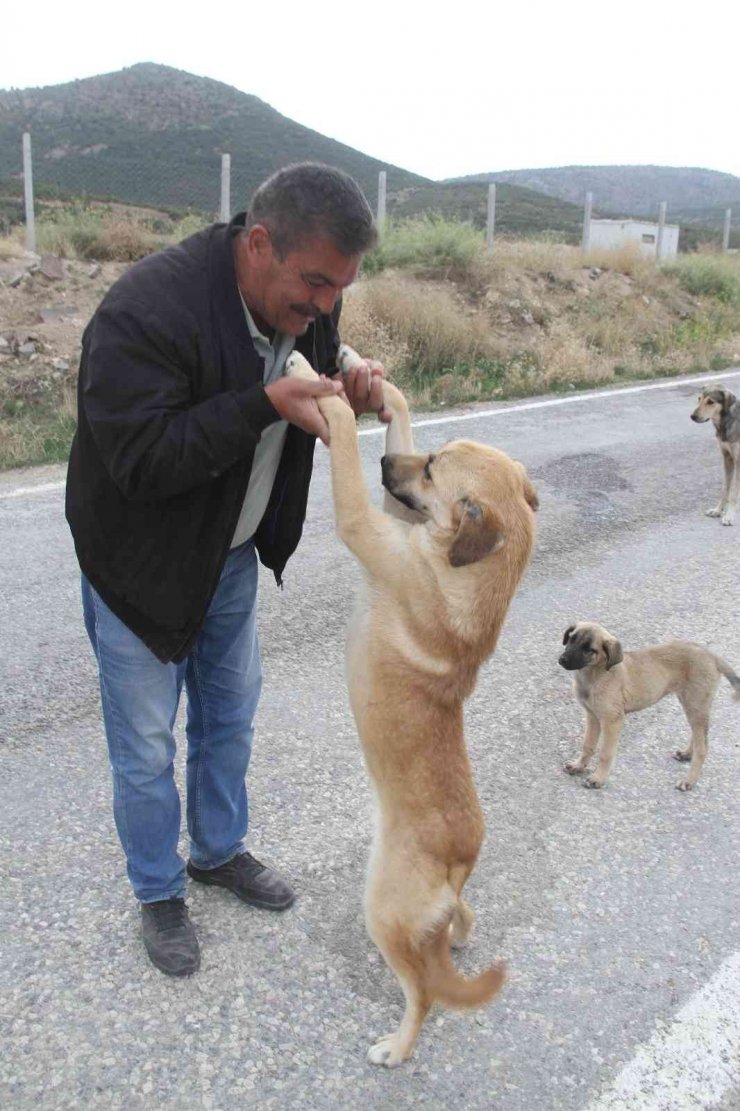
(681, 756)
(716, 511)
(592, 781)
(728, 518)
(385, 1052)
(684, 785)
(573, 767)
(296, 366)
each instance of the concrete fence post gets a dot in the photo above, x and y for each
(490, 218)
(225, 188)
(726, 230)
(382, 183)
(28, 194)
(661, 230)
(586, 236)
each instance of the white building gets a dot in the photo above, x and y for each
(609, 234)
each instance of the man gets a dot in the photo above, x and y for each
(192, 457)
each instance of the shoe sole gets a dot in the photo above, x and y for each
(259, 903)
(170, 971)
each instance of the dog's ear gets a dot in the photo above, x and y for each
(530, 494)
(613, 652)
(567, 633)
(728, 400)
(479, 533)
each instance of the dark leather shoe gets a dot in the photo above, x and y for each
(169, 937)
(251, 881)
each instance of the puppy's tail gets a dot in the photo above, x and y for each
(729, 674)
(447, 985)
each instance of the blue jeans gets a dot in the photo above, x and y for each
(140, 695)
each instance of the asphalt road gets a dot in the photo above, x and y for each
(612, 908)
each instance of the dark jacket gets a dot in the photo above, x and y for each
(170, 409)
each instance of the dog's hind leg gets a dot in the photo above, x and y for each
(407, 962)
(463, 918)
(590, 740)
(697, 714)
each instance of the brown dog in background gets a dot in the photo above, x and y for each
(610, 683)
(722, 408)
(442, 563)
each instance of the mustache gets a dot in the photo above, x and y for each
(305, 310)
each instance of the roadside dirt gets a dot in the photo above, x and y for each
(45, 305)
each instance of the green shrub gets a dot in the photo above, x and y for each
(708, 275)
(426, 243)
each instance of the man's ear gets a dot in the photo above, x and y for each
(613, 652)
(480, 532)
(567, 633)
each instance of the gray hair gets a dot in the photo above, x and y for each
(308, 200)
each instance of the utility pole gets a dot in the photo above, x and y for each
(586, 236)
(28, 194)
(382, 178)
(726, 230)
(491, 217)
(661, 230)
(225, 188)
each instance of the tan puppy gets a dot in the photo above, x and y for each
(610, 683)
(441, 570)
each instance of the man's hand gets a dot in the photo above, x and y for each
(296, 400)
(363, 386)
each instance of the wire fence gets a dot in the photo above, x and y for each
(158, 186)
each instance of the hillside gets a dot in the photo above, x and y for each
(696, 195)
(154, 135)
(519, 211)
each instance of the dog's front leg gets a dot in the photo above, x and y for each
(590, 740)
(610, 731)
(732, 469)
(727, 472)
(366, 531)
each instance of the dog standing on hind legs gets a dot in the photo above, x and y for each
(718, 404)
(442, 562)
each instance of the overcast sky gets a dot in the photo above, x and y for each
(472, 88)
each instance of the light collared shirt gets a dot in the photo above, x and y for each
(269, 449)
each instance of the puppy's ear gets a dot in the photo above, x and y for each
(613, 652)
(480, 532)
(728, 400)
(567, 633)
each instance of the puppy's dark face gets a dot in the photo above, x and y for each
(588, 645)
(579, 650)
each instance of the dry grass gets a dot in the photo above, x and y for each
(40, 432)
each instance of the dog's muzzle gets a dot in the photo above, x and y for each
(570, 663)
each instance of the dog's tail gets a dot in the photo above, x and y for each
(725, 669)
(445, 984)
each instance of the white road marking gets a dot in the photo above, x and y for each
(481, 414)
(42, 488)
(596, 395)
(694, 1063)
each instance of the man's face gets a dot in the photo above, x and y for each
(288, 294)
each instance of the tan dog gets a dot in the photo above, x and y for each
(718, 404)
(441, 570)
(610, 683)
